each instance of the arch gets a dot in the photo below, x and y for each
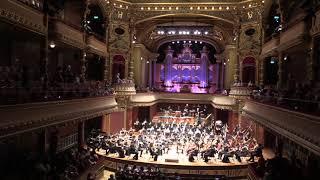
(219, 47)
(185, 14)
(118, 66)
(248, 69)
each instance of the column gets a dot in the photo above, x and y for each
(106, 70)
(311, 61)
(204, 67)
(280, 71)
(218, 69)
(150, 74)
(168, 66)
(44, 55)
(261, 70)
(154, 73)
(81, 134)
(83, 67)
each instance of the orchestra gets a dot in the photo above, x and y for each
(192, 140)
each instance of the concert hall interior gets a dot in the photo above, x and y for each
(159, 89)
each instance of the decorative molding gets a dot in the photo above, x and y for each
(298, 127)
(28, 23)
(27, 117)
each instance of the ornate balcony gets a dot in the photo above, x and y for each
(23, 15)
(68, 34)
(21, 118)
(124, 88)
(298, 127)
(240, 92)
(96, 46)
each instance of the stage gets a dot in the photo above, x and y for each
(233, 170)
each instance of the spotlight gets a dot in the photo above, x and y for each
(52, 45)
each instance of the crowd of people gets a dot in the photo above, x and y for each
(301, 98)
(191, 140)
(133, 172)
(66, 165)
(19, 85)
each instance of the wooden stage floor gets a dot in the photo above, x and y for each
(183, 159)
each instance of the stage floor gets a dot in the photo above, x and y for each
(183, 159)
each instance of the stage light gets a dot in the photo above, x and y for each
(52, 45)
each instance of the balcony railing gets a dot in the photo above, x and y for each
(36, 4)
(300, 105)
(38, 92)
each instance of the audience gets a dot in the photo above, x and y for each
(301, 98)
(18, 86)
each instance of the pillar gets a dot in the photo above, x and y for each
(168, 66)
(105, 123)
(44, 59)
(218, 75)
(150, 74)
(280, 71)
(261, 70)
(231, 68)
(81, 141)
(204, 67)
(311, 64)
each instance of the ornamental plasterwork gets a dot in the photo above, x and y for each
(119, 42)
(250, 44)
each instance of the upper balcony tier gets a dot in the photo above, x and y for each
(24, 13)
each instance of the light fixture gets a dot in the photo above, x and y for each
(120, 6)
(156, 8)
(196, 42)
(148, 8)
(206, 33)
(133, 41)
(162, 8)
(52, 45)
(184, 41)
(142, 8)
(189, 41)
(147, 62)
(200, 42)
(169, 8)
(191, 8)
(198, 7)
(177, 8)
(178, 42)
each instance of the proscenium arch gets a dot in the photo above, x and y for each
(187, 15)
(219, 49)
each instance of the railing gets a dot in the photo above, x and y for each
(305, 106)
(36, 4)
(61, 91)
(252, 174)
(97, 46)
